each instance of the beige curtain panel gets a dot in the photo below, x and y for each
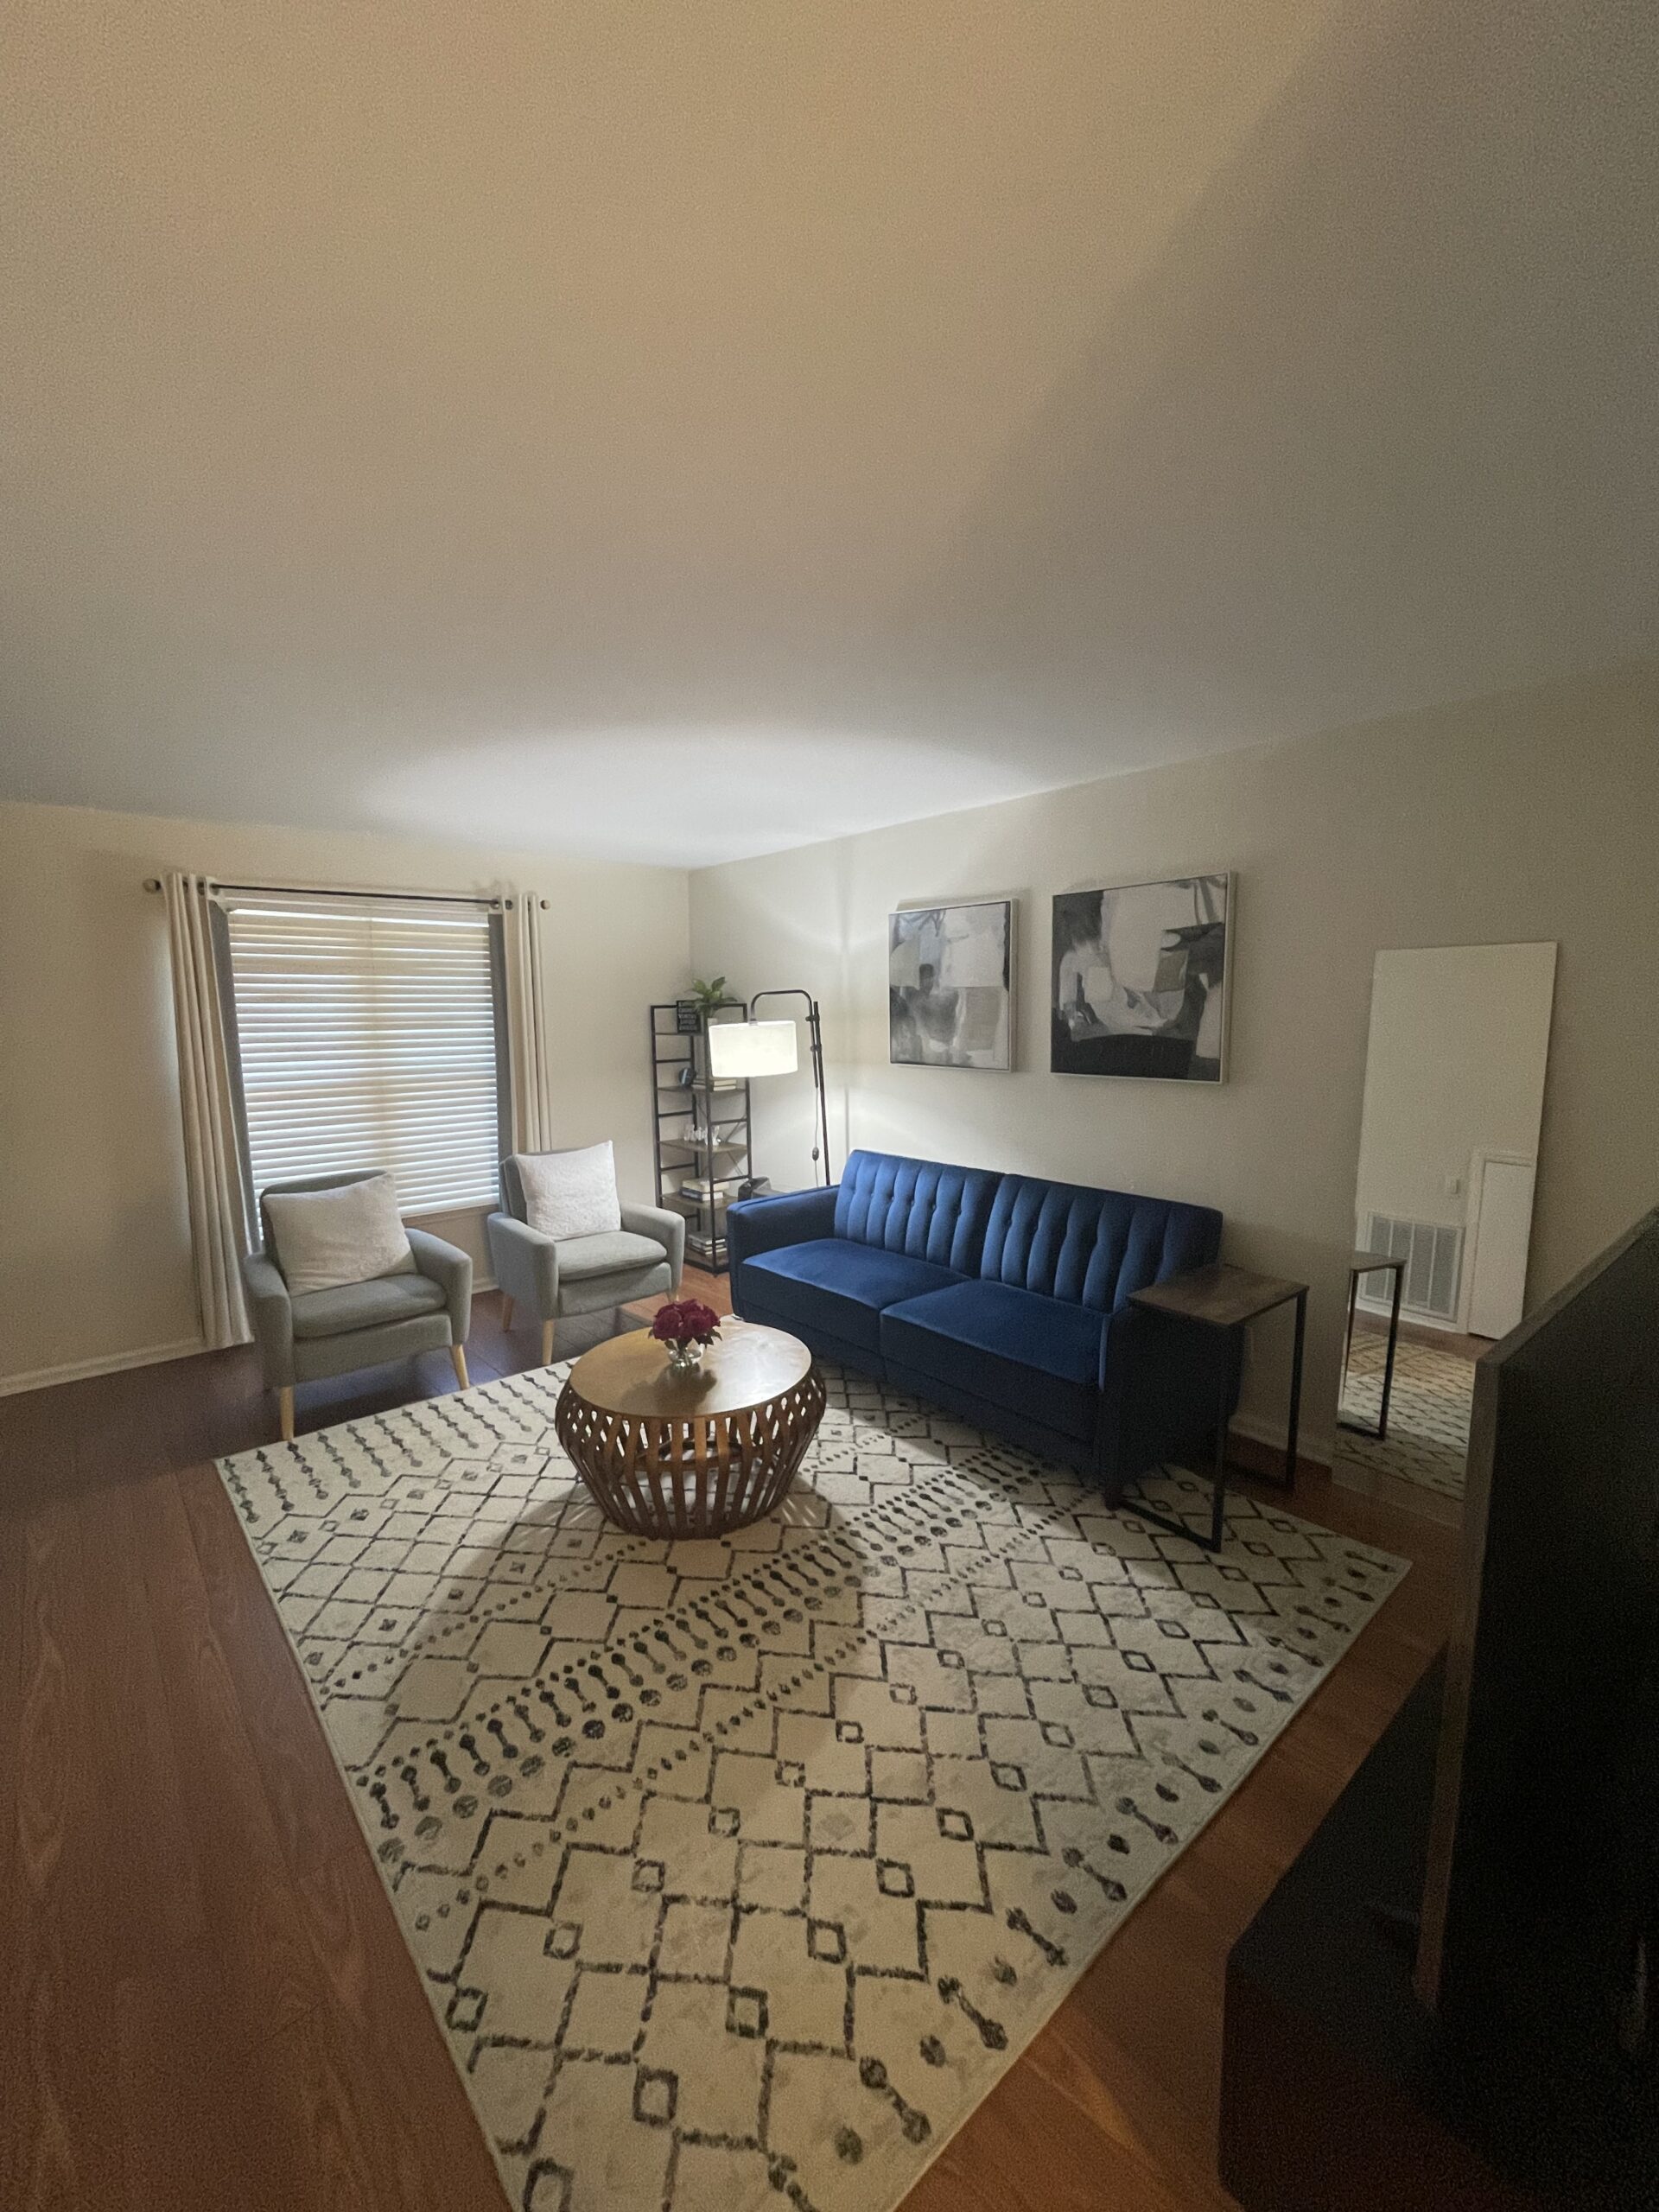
(526, 1017)
(219, 1225)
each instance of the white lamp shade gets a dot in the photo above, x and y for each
(750, 1048)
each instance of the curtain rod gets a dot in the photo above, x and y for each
(344, 891)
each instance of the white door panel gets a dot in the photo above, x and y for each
(1502, 1232)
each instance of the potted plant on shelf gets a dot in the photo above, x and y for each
(685, 1326)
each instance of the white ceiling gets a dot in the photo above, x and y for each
(684, 430)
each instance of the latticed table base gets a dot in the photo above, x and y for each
(690, 1474)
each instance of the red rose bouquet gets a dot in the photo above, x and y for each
(685, 1326)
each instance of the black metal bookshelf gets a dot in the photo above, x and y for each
(698, 1126)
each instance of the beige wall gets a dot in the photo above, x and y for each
(1529, 816)
(94, 1240)
(1458, 1043)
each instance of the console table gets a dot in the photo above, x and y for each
(1227, 1299)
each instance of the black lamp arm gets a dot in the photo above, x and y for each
(815, 1037)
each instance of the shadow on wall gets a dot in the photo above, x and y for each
(1387, 395)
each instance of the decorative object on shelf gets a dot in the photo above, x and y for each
(686, 1326)
(1140, 980)
(750, 1048)
(708, 998)
(950, 986)
(687, 1018)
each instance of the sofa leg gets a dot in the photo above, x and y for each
(507, 1310)
(458, 1358)
(285, 1411)
(547, 1343)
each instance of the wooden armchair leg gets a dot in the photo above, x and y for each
(285, 1411)
(507, 1310)
(458, 1355)
(547, 1343)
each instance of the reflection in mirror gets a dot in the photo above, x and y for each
(1448, 1153)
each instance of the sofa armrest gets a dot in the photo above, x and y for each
(448, 1265)
(271, 1312)
(526, 1264)
(756, 1225)
(664, 1228)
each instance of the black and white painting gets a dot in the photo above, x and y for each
(950, 986)
(1140, 984)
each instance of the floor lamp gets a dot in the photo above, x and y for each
(752, 1047)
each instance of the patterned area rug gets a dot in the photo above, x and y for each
(738, 1871)
(1427, 1440)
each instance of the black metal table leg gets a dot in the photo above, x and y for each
(1295, 1424)
(1171, 1526)
(1217, 1534)
(1218, 1502)
(1360, 1427)
(1394, 1339)
(1226, 1300)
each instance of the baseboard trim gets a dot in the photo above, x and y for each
(1264, 1446)
(118, 1363)
(113, 1363)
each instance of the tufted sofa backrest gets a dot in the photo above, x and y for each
(917, 1206)
(1092, 1248)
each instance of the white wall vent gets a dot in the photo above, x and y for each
(1433, 1252)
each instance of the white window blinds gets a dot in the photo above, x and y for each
(366, 1032)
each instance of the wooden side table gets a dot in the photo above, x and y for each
(672, 1455)
(1370, 1263)
(1228, 1299)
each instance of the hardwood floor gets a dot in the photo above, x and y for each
(1419, 1333)
(208, 2001)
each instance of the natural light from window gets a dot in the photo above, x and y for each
(366, 1032)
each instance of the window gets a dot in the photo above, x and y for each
(366, 1032)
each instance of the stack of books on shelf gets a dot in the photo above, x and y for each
(718, 1194)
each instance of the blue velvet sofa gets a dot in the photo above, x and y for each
(1003, 1298)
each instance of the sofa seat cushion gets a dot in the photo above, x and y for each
(376, 1304)
(839, 1287)
(613, 1252)
(1038, 1357)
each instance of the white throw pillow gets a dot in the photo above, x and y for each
(571, 1194)
(324, 1238)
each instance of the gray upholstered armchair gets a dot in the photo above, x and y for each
(323, 1333)
(580, 1275)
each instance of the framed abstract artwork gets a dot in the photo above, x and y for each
(950, 986)
(1139, 980)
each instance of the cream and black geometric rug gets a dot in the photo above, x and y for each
(738, 1871)
(1429, 1405)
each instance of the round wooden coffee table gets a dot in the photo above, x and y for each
(671, 1455)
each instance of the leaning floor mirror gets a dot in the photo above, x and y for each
(1443, 1203)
